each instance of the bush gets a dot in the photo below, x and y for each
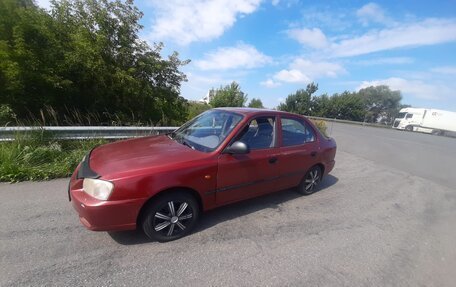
(321, 125)
(7, 115)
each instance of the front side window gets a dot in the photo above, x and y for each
(207, 131)
(409, 116)
(296, 132)
(259, 133)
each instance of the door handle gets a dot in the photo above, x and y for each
(314, 153)
(273, 160)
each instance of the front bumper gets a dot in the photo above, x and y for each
(100, 215)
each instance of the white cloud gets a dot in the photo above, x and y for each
(310, 37)
(372, 12)
(198, 85)
(240, 56)
(206, 80)
(284, 3)
(427, 32)
(386, 61)
(317, 69)
(270, 83)
(184, 21)
(304, 71)
(292, 76)
(446, 70)
(275, 2)
(46, 4)
(414, 88)
(326, 17)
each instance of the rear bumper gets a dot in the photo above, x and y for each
(329, 166)
(99, 215)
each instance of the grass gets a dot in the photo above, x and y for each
(38, 156)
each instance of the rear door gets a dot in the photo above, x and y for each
(249, 175)
(299, 150)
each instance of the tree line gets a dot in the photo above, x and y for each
(371, 104)
(82, 62)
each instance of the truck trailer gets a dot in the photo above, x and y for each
(433, 121)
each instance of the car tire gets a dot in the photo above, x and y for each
(409, 128)
(170, 216)
(437, 132)
(310, 181)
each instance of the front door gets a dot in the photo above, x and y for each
(249, 175)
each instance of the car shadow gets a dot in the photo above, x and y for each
(228, 212)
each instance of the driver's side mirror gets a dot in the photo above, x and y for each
(238, 147)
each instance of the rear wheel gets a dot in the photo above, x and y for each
(310, 181)
(170, 216)
(437, 132)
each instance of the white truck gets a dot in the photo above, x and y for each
(433, 121)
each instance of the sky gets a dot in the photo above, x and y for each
(274, 47)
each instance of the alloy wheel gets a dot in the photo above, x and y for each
(173, 218)
(312, 179)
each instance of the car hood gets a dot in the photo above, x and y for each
(140, 153)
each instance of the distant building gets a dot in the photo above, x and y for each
(207, 98)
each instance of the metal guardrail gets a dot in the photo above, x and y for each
(84, 132)
(103, 132)
(350, 122)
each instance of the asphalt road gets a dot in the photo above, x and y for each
(424, 155)
(386, 216)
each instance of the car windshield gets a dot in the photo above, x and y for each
(207, 131)
(401, 115)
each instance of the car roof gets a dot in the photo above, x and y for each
(250, 111)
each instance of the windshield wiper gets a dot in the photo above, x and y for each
(187, 144)
(171, 135)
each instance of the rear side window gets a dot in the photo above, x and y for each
(296, 132)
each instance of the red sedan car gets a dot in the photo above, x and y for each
(163, 183)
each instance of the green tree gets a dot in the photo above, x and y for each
(321, 106)
(256, 103)
(380, 103)
(196, 108)
(28, 49)
(300, 101)
(229, 96)
(7, 115)
(346, 106)
(86, 56)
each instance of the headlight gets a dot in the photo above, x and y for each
(100, 189)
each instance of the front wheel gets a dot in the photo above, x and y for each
(310, 181)
(170, 216)
(409, 128)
